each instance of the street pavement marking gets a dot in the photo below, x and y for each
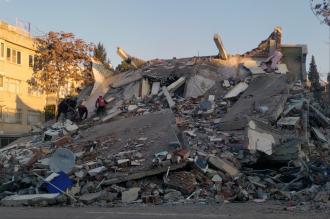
(159, 214)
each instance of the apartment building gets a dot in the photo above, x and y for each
(20, 106)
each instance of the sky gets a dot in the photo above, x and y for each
(151, 29)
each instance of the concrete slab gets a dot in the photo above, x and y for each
(198, 86)
(236, 90)
(159, 136)
(19, 200)
(269, 91)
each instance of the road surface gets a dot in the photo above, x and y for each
(241, 210)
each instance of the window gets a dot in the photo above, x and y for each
(18, 57)
(13, 116)
(1, 113)
(13, 85)
(1, 81)
(33, 118)
(34, 92)
(31, 61)
(8, 54)
(2, 50)
(14, 56)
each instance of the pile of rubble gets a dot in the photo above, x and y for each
(203, 129)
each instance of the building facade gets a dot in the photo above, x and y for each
(21, 107)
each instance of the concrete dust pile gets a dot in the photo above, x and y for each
(223, 128)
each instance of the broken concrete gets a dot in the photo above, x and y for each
(221, 48)
(223, 165)
(130, 195)
(169, 99)
(35, 199)
(262, 137)
(257, 94)
(198, 86)
(237, 90)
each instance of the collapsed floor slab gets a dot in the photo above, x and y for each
(266, 94)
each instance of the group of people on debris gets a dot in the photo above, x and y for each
(70, 109)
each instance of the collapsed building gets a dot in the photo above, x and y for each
(202, 129)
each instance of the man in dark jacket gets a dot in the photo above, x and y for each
(83, 112)
(66, 107)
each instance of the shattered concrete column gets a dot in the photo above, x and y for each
(221, 48)
(145, 88)
(136, 62)
(169, 99)
(175, 85)
(155, 88)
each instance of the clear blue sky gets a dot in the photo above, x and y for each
(167, 28)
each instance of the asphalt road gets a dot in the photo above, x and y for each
(245, 210)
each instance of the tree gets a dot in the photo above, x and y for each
(100, 54)
(314, 78)
(124, 66)
(60, 58)
(328, 87)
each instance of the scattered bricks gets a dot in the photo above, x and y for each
(59, 142)
(36, 156)
(183, 153)
(182, 181)
(130, 195)
(151, 199)
(223, 165)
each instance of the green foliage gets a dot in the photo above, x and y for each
(124, 66)
(314, 78)
(100, 54)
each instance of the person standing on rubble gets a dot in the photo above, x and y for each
(82, 111)
(100, 105)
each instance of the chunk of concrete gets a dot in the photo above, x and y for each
(270, 90)
(223, 165)
(198, 86)
(20, 200)
(155, 88)
(221, 48)
(237, 90)
(130, 195)
(169, 99)
(111, 115)
(261, 139)
(290, 122)
(97, 170)
(289, 150)
(145, 87)
(176, 84)
(70, 126)
(131, 108)
(319, 135)
(132, 90)
(89, 198)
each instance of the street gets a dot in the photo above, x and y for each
(238, 210)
